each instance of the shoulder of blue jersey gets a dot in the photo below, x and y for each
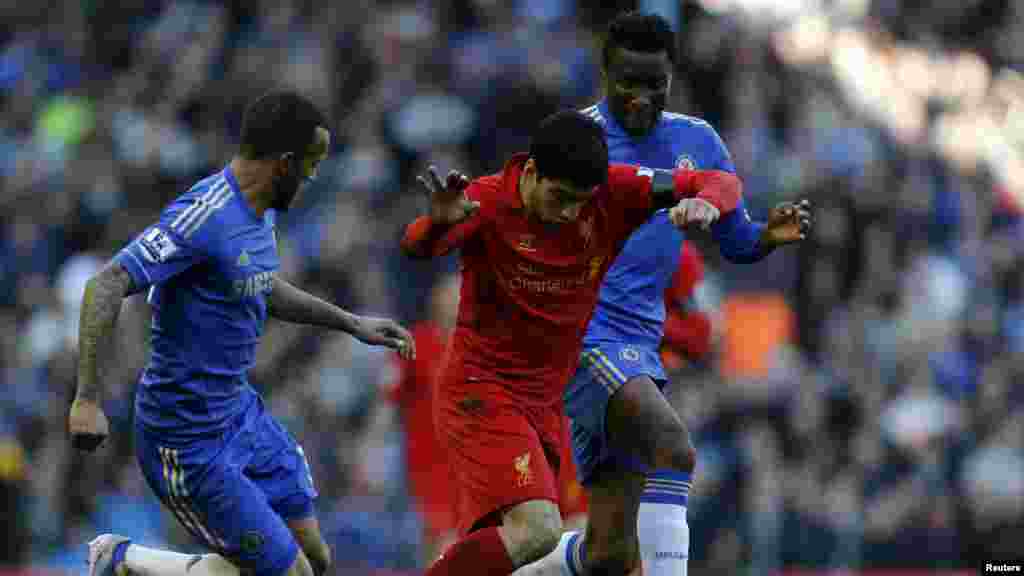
(697, 131)
(194, 209)
(677, 118)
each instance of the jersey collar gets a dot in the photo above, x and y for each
(230, 177)
(612, 125)
(233, 183)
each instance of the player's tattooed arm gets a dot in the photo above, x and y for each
(101, 305)
(291, 304)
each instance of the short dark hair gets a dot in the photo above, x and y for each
(279, 122)
(639, 32)
(568, 145)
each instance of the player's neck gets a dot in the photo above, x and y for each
(254, 183)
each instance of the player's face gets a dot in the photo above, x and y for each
(637, 86)
(551, 200)
(297, 172)
(559, 201)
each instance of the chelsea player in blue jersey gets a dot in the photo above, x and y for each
(206, 445)
(632, 450)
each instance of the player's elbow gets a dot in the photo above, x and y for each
(734, 256)
(747, 253)
(415, 241)
(413, 250)
(112, 281)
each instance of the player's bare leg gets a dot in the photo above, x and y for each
(307, 534)
(114, 555)
(610, 544)
(640, 421)
(531, 530)
(528, 532)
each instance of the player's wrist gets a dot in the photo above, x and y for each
(346, 321)
(767, 242)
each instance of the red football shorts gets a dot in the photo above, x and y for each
(500, 452)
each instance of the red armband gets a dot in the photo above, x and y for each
(721, 189)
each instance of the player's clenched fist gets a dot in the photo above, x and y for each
(693, 211)
(448, 202)
(87, 425)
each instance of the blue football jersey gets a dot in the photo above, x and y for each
(631, 306)
(208, 263)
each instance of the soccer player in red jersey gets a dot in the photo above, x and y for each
(536, 240)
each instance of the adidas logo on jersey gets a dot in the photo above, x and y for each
(243, 258)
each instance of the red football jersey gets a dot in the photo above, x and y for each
(529, 287)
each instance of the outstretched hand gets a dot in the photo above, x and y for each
(385, 332)
(448, 201)
(788, 222)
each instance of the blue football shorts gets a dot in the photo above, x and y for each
(234, 491)
(602, 370)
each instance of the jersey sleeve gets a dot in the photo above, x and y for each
(739, 237)
(640, 191)
(721, 158)
(425, 239)
(170, 246)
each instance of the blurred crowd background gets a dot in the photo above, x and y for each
(863, 406)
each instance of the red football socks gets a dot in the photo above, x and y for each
(482, 553)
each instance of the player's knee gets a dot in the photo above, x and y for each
(537, 532)
(673, 450)
(613, 558)
(541, 540)
(684, 457)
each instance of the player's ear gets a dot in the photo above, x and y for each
(530, 170)
(530, 167)
(283, 164)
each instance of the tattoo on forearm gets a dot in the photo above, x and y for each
(101, 306)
